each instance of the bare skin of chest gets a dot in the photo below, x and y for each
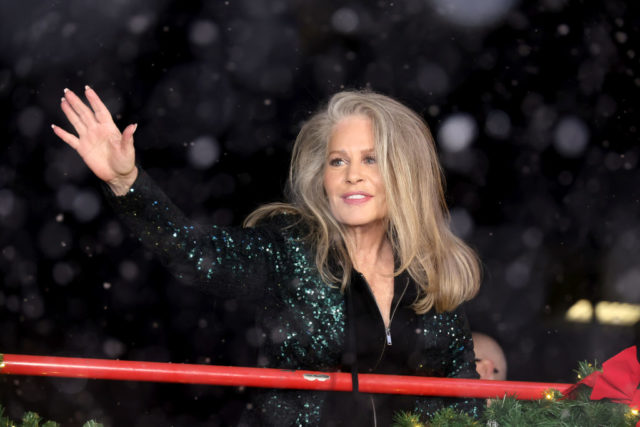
(377, 267)
(382, 287)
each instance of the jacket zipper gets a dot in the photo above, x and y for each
(387, 332)
(387, 329)
(373, 408)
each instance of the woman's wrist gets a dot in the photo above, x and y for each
(121, 185)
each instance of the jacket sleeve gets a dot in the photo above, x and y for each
(460, 349)
(228, 261)
(459, 362)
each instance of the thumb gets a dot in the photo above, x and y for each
(127, 134)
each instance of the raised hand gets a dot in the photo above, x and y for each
(106, 151)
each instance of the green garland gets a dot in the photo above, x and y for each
(551, 411)
(31, 419)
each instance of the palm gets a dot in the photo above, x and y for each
(105, 154)
(106, 151)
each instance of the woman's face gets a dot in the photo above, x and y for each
(352, 179)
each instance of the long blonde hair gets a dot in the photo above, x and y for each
(445, 268)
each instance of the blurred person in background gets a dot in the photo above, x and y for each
(490, 361)
(358, 271)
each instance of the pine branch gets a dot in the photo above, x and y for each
(406, 419)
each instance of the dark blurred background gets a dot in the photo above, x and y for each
(534, 106)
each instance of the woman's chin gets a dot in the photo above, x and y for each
(362, 222)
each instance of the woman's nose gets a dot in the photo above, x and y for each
(354, 173)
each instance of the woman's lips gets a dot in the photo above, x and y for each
(356, 198)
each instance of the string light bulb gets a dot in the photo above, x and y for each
(552, 395)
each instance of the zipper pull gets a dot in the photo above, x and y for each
(388, 332)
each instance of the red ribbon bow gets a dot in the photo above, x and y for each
(618, 380)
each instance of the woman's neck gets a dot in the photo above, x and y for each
(369, 246)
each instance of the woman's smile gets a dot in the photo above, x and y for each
(356, 198)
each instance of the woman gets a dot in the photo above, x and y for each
(358, 272)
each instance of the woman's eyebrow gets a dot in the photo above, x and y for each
(366, 150)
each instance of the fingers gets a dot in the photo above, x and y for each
(70, 139)
(101, 112)
(84, 113)
(73, 118)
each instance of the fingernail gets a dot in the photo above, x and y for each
(53, 126)
(86, 87)
(62, 99)
(135, 126)
(65, 90)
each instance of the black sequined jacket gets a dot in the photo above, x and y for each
(306, 323)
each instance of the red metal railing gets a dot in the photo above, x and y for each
(15, 364)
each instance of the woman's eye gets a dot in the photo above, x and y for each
(370, 160)
(336, 161)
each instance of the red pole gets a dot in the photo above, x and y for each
(16, 364)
